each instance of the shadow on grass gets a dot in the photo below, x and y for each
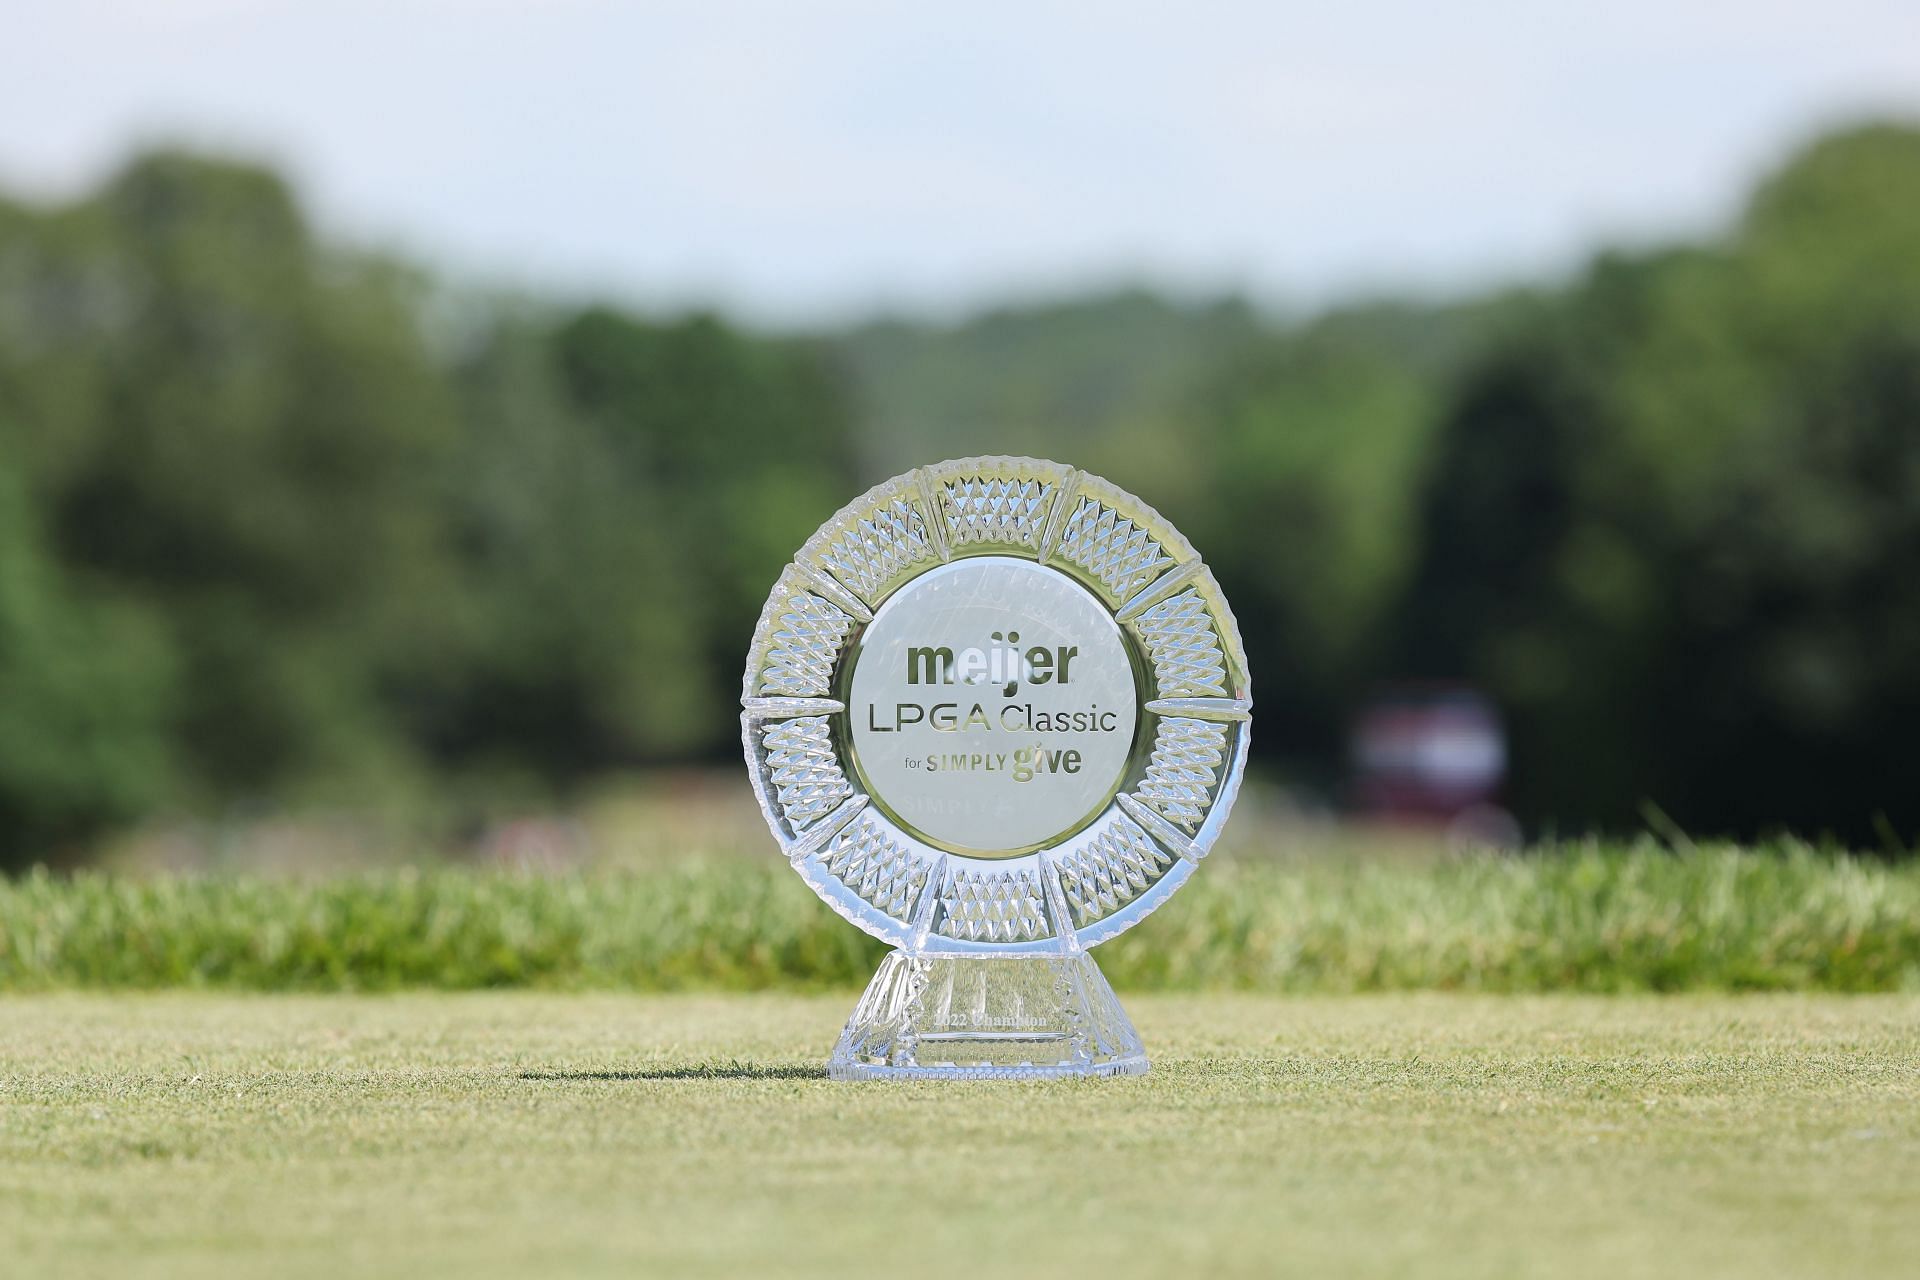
(726, 1071)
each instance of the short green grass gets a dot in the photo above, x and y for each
(525, 1134)
(1585, 917)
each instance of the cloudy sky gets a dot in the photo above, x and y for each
(802, 161)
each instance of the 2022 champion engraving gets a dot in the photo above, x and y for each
(996, 710)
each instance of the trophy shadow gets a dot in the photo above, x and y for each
(704, 1071)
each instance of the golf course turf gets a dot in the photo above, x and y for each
(1584, 917)
(526, 1134)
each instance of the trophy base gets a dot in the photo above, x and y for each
(987, 1017)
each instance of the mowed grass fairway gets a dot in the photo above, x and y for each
(521, 1134)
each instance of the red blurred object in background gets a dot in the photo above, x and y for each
(1433, 755)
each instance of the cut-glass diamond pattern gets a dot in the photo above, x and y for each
(804, 770)
(804, 645)
(872, 551)
(869, 861)
(993, 906)
(897, 886)
(1109, 546)
(1110, 870)
(983, 509)
(1185, 765)
(1180, 638)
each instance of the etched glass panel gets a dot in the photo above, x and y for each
(995, 712)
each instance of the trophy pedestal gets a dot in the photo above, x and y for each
(995, 711)
(931, 1016)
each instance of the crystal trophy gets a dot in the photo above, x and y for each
(995, 712)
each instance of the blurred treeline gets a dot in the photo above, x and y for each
(283, 523)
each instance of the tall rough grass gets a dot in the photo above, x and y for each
(1578, 918)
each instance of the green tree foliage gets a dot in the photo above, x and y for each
(744, 443)
(1676, 530)
(84, 694)
(619, 492)
(243, 448)
(282, 522)
(261, 540)
(1108, 382)
(1313, 444)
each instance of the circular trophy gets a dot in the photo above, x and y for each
(996, 711)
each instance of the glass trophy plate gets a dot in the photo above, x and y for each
(995, 712)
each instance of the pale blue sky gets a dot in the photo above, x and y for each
(806, 161)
